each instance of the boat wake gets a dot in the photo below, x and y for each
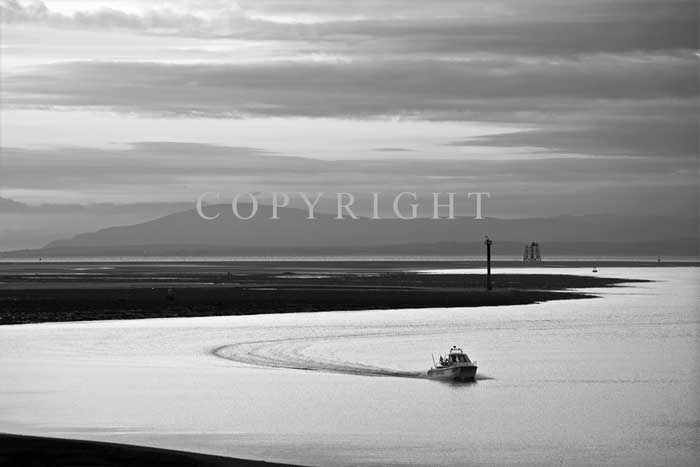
(289, 353)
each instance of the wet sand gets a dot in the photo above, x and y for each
(20, 451)
(45, 292)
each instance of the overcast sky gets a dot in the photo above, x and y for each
(581, 105)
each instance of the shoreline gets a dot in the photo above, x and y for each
(26, 450)
(372, 262)
(128, 291)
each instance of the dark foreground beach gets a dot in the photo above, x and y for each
(36, 292)
(32, 451)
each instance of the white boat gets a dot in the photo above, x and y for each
(455, 366)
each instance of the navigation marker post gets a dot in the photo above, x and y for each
(488, 242)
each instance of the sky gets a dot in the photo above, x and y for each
(553, 106)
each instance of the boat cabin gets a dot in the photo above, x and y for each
(456, 355)
(453, 358)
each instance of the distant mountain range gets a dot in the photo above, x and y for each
(24, 226)
(103, 209)
(185, 233)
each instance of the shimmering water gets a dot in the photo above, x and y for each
(607, 381)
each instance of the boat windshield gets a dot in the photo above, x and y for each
(459, 358)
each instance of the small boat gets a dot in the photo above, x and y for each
(595, 269)
(455, 366)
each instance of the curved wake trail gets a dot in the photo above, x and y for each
(289, 353)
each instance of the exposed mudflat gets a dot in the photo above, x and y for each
(33, 292)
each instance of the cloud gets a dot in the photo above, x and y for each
(577, 82)
(399, 27)
(629, 104)
(461, 36)
(143, 159)
(654, 131)
(143, 165)
(156, 21)
(393, 150)
(423, 88)
(179, 172)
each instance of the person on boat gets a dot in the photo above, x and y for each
(442, 361)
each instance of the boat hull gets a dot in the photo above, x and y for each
(454, 373)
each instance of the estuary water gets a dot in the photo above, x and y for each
(604, 381)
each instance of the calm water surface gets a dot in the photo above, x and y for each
(606, 381)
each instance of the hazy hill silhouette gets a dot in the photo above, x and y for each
(187, 232)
